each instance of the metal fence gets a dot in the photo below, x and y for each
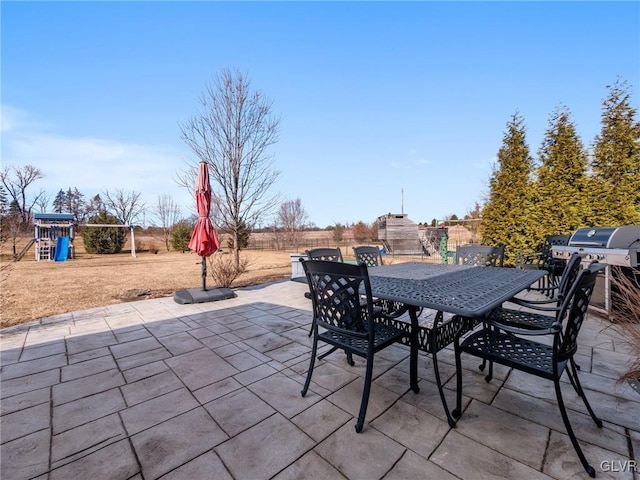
(458, 232)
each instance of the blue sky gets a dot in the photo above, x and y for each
(375, 98)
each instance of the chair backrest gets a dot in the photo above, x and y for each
(573, 311)
(329, 254)
(368, 255)
(336, 290)
(480, 255)
(551, 241)
(569, 275)
(557, 240)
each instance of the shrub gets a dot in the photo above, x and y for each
(104, 240)
(180, 236)
(140, 245)
(152, 248)
(223, 270)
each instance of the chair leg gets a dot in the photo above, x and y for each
(483, 365)
(314, 350)
(590, 470)
(365, 394)
(578, 388)
(489, 375)
(457, 412)
(436, 371)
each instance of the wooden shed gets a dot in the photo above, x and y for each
(398, 234)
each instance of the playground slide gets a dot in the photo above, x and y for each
(62, 249)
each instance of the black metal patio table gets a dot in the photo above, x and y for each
(471, 292)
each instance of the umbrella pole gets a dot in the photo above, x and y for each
(204, 274)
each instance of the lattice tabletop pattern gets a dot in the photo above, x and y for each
(467, 291)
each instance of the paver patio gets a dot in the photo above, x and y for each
(155, 389)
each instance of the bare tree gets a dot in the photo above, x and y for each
(231, 133)
(277, 236)
(338, 232)
(292, 218)
(168, 214)
(125, 206)
(16, 181)
(43, 201)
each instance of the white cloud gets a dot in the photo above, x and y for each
(93, 165)
(12, 118)
(394, 165)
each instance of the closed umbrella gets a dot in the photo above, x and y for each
(204, 240)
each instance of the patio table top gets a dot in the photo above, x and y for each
(462, 290)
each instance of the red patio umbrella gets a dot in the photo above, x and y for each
(204, 240)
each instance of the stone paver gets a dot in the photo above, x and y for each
(267, 448)
(175, 442)
(154, 389)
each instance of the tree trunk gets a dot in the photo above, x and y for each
(236, 249)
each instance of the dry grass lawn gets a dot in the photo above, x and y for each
(32, 290)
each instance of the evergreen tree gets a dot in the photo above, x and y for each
(244, 233)
(4, 209)
(506, 214)
(559, 203)
(59, 202)
(615, 186)
(4, 201)
(181, 235)
(78, 207)
(103, 239)
(69, 201)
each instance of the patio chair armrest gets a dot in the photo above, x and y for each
(543, 289)
(539, 305)
(553, 330)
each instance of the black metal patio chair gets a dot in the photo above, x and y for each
(325, 253)
(369, 255)
(526, 319)
(537, 321)
(509, 346)
(336, 292)
(330, 255)
(480, 255)
(543, 259)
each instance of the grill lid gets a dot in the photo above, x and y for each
(606, 237)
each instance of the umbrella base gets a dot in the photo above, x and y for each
(197, 295)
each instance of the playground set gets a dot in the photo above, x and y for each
(53, 236)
